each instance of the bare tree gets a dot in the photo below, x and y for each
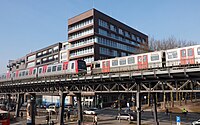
(169, 43)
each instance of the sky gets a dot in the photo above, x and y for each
(29, 25)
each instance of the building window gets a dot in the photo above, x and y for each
(123, 54)
(103, 23)
(44, 52)
(31, 58)
(133, 37)
(113, 28)
(81, 33)
(80, 25)
(31, 64)
(127, 34)
(121, 31)
(103, 32)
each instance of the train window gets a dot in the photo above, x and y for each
(81, 65)
(190, 52)
(49, 69)
(139, 59)
(53, 68)
(198, 50)
(23, 73)
(13, 74)
(144, 58)
(72, 67)
(20, 74)
(114, 62)
(183, 53)
(26, 73)
(40, 70)
(122, 61)
(131, 60)
(172, 54)
(154, 57)
(59, 67)
(97, 65)
(34, 71)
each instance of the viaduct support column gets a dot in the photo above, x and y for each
(155, 109)
(9, 101)
(31, 108)
(61, 109)
(18, 104)
(138, 104)
(80, 114)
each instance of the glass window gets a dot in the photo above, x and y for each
(72, 66)
(183, 53)
(59, 67)
(198, 50)
(53, 68)
(40, 70)
(154, 57)
(34, 71)
(49, 69)
(114, 62)
(172, 54)
(190, 52)
(97, 65)
(122, 61)
(131, 60)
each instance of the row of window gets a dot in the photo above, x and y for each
(88, 59)
(80, 24)
(31, 58)
(131, 60)
(49, 51)
(114, 36)
(107, 51)
(120, 31)
(83, 42)
(81, 33)
(117, 45)
(82, 51)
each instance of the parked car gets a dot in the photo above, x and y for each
(125, 116)
(91, 111)
(196, 122)
(51, 108)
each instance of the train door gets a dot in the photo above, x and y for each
(145, 62)
(190, 56)
(105, 66)
(139, 62)
(44, 69)
(183, 57)
(30, 71)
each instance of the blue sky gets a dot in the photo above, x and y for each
(29, 25)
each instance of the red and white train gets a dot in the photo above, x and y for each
(71, 67)
(158, 59)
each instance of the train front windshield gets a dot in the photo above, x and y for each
(82, 65)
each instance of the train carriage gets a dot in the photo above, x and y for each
(128, 63)
(183, 56)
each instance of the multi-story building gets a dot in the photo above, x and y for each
(64, 52)
(45, 56)
(95, 36)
